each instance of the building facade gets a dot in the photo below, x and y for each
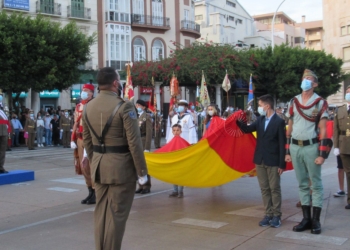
(83, 12)
(336, 24)
(223, 21)
(313, 34)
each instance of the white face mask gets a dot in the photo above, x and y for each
(261, 111)
(84, 95)
(347, 97)
(211, 112)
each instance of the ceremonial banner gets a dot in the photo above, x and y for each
(251, 94)
(226, 85)
(129, 89)
(204, 96)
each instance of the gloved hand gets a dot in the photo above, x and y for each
(146, 150)
(73, 145)
(71, 130)
(61, 130)
(143, 179)
(336, 151)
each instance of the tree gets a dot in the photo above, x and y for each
(39, 54)
(187, 63)
(280, 72)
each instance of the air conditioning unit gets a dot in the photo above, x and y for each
(137, 18)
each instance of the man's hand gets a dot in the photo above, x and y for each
(280, 171)
(336, 152)
(146, 150)
(73, 145)
(288, 158)
(61, 130)
(143, 180)
(319, 160)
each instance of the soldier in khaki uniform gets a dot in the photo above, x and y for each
(66, 125)
(158, 129)
(5, 130)
(341, 137)
(77, 142)
(30, 127)
(145, 124)
(116, 159)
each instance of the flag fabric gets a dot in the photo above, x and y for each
(204, 95)
(226, 85)
(174, 86)
(251, 94)
(153, 102)
(129, 89)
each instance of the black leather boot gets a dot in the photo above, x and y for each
(316, 225)
(89, 196)
(92, 199)
(306, 222)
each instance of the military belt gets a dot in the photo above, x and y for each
(65, 124)
(143, 135)
(30, 126)
(342, 133)
(302, 143)
(111, 149)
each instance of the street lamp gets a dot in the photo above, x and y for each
(272, 27)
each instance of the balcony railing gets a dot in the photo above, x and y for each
(78, 12)
(150, 20)
(190, 25)
(47, 8)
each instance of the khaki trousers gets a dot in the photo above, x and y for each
(346, 165)
(31, 137)
(113, 204)
(3, 147)
(86, 171)
(269, 182)
(157, 137)
(66, 138)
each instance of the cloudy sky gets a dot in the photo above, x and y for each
(312, 9)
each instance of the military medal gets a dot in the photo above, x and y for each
(315, 112)
(144, 119)
(348, 132)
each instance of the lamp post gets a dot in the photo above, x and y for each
(272, 27)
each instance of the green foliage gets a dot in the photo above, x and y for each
(39, 54)
(280, 73)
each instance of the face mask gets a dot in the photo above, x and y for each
(211, 112)
(175, 109)
(231, 109)
(39, 117)
(347, 97)
(139, 110)
(306, 85)
(261, 111)
(32, 117)
(84, 95)
(181, 109)
(192, 107)
(0, 98)
(66, 114)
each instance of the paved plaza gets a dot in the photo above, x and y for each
(46, 214)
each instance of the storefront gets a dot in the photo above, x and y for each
(48, 99)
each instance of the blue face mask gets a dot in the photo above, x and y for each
(139, 110)
(181, 109)
(84, 95)
(347, 97)
(0, 98)
(192, 107)
(261, 111)
(306, 85)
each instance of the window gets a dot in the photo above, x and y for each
(199, 17)
(239, 21)
(118, 47)
(346, 54)
(229, 3)
(118, 10)
(47, 6)
(291, 41)
(343, 31)
(157, 50)
(139, 50)
(231, 18)
(157, 12)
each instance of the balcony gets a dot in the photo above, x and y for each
(155, 24)
(78, 12)
(191, 29)
(49, 9)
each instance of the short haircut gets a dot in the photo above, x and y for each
(176, 126)
(268, 99)
(106, 76)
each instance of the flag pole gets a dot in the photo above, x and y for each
(228, 104)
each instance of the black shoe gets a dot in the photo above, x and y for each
(316, 225)
(138, 191)
(3, 172)
(92, 199)
(145, 191)
(8, 149)
(347, 206)
(88, 197)
(305, 224)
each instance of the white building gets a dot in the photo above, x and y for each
(84, 13)
(223, 21)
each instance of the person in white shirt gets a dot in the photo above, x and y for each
(40, 131)
(48, 129)
(185, 119)
(17, 127)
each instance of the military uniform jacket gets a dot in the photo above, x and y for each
(341, 130)
(30, 125)
(4, 130)
(66, 123)
(145, 124)
(115, 168)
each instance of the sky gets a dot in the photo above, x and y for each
(312, 9)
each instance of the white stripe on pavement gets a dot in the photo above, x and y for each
(323, 239)
(61, 189)
(200, 223)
